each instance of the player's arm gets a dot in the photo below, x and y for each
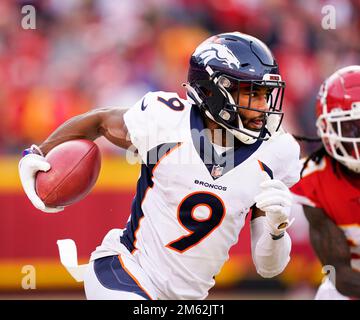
(107, 122)
(330, 245)
(270, 243)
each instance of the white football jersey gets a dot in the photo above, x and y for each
(191, 203)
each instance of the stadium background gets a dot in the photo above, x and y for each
(86, 54)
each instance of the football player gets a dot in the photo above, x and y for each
(330, 186)
(207, 161)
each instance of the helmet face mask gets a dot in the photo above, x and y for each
(340, 132)
(338, 122)
(221, 99)
(222, 70)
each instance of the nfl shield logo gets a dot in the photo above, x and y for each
(217, 171)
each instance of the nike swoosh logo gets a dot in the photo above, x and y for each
(143, 106)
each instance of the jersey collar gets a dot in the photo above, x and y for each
(228, 159)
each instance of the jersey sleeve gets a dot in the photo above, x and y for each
(152, 120)
(305, 191)
(290, 161)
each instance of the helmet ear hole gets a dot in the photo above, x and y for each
(206, 92)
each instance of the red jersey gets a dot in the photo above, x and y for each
(321, 187)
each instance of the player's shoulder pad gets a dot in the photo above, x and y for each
(287, 147)
(312, 167)
(163, 102)
(164, 109)
(285, 151)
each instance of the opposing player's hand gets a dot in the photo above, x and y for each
(275, 200)
(28, 167)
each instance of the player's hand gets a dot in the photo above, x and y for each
(28, 167)
(275, 200)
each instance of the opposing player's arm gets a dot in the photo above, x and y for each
(330, 245)
(107, 122)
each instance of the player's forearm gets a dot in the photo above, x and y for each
(347, 281)
(83, 126)
(270, 256)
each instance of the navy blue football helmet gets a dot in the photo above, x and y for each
(226, 63)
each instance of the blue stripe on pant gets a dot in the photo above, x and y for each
(112, 275)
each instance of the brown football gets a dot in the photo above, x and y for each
(75, 167)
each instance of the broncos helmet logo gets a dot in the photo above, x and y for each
(209, 51)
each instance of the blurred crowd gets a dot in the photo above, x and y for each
(91, 53)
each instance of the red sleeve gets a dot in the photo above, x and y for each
(305, 190)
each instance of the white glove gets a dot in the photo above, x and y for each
(275, 200)
(28, 167)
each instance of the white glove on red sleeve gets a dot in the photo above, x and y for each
(29, 165)
(275, 200)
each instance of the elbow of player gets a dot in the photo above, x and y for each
(270, 263)
(269, 273)
(271, 266)
(265, 274)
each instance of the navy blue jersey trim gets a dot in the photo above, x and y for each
(155, 154)
(112, 275)
(144, 182)
(228, 160)
(267, 170)
(143, 105)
